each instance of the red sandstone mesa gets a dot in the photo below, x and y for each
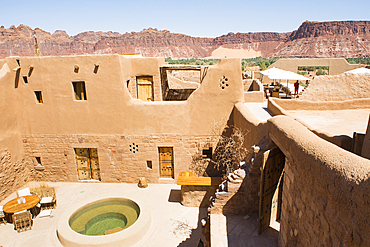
(311, 39)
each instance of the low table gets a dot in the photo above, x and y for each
(12, 206)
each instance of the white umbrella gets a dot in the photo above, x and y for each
(358, 71)
(279, 74)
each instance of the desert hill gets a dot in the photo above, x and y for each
(311, 39)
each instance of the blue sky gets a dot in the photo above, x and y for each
(201, 18)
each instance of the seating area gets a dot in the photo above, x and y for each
(28, 204)
(48, 198)
(2, 216)
(22, 221)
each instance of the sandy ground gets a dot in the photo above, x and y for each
(343, 122)
(173, 224)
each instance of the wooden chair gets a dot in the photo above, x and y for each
(22, 221)
(2, 215)
(48, 198)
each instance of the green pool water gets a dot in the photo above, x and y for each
(101, 216)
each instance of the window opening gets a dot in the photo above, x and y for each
(313, 70)
(87, 163)
(134, 148)
(38, 95)
(25, 79)
(96, 67)
(30, 70)
(18, 62)
(79, 90)
(38, 159)
(149, 164)
(178, 82)
(207, 153)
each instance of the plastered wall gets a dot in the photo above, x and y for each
(325, 189)
(111, 117)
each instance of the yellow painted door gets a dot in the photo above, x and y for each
(166, 162)
(145, 88)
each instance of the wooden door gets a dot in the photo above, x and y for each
(271, 174)
(87, 163)
(166, 162)
(145, 88)
(94, 164)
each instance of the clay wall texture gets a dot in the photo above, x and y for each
(325, 189)
(110, 119)
(117, 163)
(337, 88)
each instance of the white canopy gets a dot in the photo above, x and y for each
(279, 74)
(358, 71)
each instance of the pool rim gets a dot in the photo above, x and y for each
(131, 235)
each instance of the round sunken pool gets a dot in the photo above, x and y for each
(105, 217)
(104, 222)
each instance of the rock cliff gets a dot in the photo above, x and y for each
(311, 39)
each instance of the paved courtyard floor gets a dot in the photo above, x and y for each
(173, 224)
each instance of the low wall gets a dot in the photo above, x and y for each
(282, 106)
(325, 194)
(307, 105)
(246, 200)
(197, 195)
(254, 96)
(243, 119)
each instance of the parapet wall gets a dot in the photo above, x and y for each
(283, 106)
(337, 88)
(325, 194)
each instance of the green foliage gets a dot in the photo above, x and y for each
(312, 68)
(263, 63)
(320, 72)
(192, 61)
(359, 60)
(302, 72)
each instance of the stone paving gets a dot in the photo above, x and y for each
(237, 231)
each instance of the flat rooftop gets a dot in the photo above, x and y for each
(335, 122)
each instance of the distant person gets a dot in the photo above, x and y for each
(296, 87)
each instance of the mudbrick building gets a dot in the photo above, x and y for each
(112, 118)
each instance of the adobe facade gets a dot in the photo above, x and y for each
(123, 136)
(90, 104)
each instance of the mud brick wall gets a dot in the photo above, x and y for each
(325, 192)
(117, 163)
(13, 175)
